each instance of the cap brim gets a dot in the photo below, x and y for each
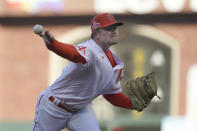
(115, 23)
(118, 24)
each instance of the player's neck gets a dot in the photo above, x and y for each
(104, 47)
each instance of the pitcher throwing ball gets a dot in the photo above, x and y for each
(94, 70)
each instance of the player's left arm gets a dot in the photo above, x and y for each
(119, 100)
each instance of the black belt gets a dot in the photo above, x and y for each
(51, 98)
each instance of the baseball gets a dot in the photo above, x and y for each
(38, 29)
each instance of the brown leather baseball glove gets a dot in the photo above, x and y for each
(141, 91)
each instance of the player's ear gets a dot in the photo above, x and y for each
(96, 33)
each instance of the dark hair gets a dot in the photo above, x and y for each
(92, 35)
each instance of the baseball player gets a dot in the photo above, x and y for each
(93, 70)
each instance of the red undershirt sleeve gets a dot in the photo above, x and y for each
(119, 100)
(66, 51)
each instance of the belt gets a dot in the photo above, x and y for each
(51, 98)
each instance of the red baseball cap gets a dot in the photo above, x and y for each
(103, 20)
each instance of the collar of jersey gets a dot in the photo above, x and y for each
(119, 62)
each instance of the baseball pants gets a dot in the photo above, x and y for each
(49, 117)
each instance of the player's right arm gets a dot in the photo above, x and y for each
(62, 49)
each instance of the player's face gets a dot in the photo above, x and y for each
(108, 36)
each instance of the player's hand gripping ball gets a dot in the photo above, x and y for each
(38, 29)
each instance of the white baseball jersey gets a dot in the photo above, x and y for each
(80, 83)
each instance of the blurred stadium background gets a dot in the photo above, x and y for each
(159, 35)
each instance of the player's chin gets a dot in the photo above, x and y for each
(113, 43)
(114, 40)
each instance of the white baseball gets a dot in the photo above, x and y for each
(38, 29)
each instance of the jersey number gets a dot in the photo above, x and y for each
(119, 76)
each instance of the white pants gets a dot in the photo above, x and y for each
(58, 119)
